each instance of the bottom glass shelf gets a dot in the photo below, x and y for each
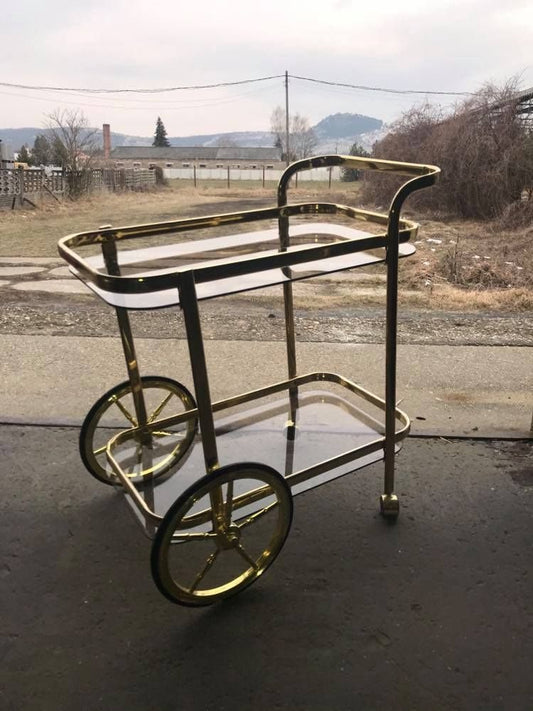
(331, 423)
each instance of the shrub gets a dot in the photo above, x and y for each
(484, 150)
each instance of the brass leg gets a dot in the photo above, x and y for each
(189, 303)
(291, 358)
(110, 255)
(389, 503)
(134, 376)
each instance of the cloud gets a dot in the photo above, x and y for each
(446, 45)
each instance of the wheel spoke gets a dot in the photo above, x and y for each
(229, 503)
(125, 412)
(209, 562)
(191, 537)
(253, 517)
(239, 548)
(159, 408)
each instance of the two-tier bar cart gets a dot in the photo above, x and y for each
(212, 482)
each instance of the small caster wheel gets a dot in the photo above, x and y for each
(389, 505)
(115, 412)
(221, 534)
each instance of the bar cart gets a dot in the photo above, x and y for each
(212, 482)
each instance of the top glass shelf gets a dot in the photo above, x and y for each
(149, 277)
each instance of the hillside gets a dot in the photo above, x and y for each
(334, 130)
(345, 126)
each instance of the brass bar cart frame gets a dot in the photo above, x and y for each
(238, 496)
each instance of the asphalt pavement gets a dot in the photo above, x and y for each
(432, 612)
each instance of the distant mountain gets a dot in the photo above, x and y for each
(345, 126)
(337, 131)
(18, 137)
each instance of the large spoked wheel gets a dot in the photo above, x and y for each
(139, 459)
(221, 534)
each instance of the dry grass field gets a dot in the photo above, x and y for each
(463, 265)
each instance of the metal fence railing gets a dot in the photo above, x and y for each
(230, 174)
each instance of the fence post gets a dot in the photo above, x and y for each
(21, 186)
(194, 174)
(263, 176)
(228, 176)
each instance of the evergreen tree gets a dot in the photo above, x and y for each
(351, 174)
(160, 138)
(42, 151)
(23, 155)
(59, 156)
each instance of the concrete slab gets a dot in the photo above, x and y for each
(472, 390)
(52, 286)
(31, 260)
(60, 272)
(19, 271)
(430, 613)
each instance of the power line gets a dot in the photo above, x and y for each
(195, 87)
(381, 89)
(150, 105)
(139, 91)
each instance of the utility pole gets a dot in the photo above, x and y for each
(287, 116)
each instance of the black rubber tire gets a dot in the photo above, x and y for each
(177, 513)
(90, 424)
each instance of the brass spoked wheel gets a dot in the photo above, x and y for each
(221, 534)
(138, 458)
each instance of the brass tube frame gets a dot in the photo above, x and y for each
(184, 279)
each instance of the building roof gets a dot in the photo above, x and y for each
(194, 153)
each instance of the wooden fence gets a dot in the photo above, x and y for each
(19, 186)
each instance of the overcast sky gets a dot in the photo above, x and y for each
(443, 45)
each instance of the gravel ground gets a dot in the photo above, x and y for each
(241, 318)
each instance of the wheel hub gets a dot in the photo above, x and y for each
(228, 537)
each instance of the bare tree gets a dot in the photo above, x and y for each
(302, 138)
(76, 142)
(74, 147)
